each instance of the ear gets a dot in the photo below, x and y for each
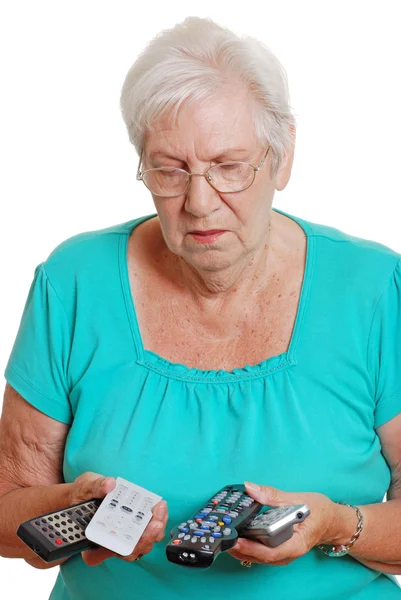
(284, 173)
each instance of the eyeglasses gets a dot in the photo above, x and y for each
(228, 177)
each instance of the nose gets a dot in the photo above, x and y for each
(201, 198)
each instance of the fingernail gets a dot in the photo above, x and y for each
(161, 509)
(253, 487)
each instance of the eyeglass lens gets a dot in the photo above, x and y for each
(167, 181)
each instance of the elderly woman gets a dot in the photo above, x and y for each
(215, 341)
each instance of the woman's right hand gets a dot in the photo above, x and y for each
(91, 485)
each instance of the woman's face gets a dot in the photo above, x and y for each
(203, 136)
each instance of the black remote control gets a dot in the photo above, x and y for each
(60, 533)
(213, 529)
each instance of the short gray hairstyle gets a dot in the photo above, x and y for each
(197, 59)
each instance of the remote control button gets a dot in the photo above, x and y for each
(211, 540)
(200, 516)
(208, 523)
(84, 508)
(205, 527)
(70, 512)
(207, 510)
(184, 529)
(187, 537)
(51, 535)
(213, 518)
(69, 520)
(87, 518)
(233, 513)
(220, 523)
(50, 518)
(128, 536)
(198, 532)
(58, 542)
(79, 512)
(44, 528)
(193, 526)
(203, 539)
(70, 529)
(63, 523)
(227, 531)
(91, 506)
(44, 521)
(57, 525)
(51, 527)
(37, 522)
(64, 539)
(77, 535)
(63, 514)
(227, 519)
(181, 535)
(190, 521)
(217, 528)
(56, 516)
(57, 533)
(194, 539)
(64, 531)
(81, 522)
(217, 534)
(71, 537)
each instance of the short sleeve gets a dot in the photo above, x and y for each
(384, 350)
(37, 366)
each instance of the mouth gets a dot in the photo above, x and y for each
(207, 237)
(209, 232)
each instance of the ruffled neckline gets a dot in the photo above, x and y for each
(180, 371)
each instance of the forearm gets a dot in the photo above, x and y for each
(22, 504)
(378, 545)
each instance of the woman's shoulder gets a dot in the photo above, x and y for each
(347, 247)
(88, 254)
(361, 265)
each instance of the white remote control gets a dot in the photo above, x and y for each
(122, 517)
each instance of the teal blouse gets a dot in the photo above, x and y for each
(304, 420)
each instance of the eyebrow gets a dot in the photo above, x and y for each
(222, 153)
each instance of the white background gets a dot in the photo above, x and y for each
(67, 165)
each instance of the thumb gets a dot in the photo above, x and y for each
(267, 494)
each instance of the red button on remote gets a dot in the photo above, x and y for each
(177, 542)
(59, 542)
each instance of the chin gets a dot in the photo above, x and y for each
(208, 261)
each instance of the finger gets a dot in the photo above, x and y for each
(95, 556)
(162, 531)
(291, 549)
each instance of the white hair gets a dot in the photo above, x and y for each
(197, 59)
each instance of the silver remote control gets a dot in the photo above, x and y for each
(276, 525)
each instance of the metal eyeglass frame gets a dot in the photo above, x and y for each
(139, 174)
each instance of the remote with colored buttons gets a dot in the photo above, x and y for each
(212, 529)
(276, 525)
(60, 533)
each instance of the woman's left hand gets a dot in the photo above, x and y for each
(316, 529)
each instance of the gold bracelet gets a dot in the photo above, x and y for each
(343, 549)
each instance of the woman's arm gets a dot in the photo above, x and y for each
(379, 545)
(31, 478)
